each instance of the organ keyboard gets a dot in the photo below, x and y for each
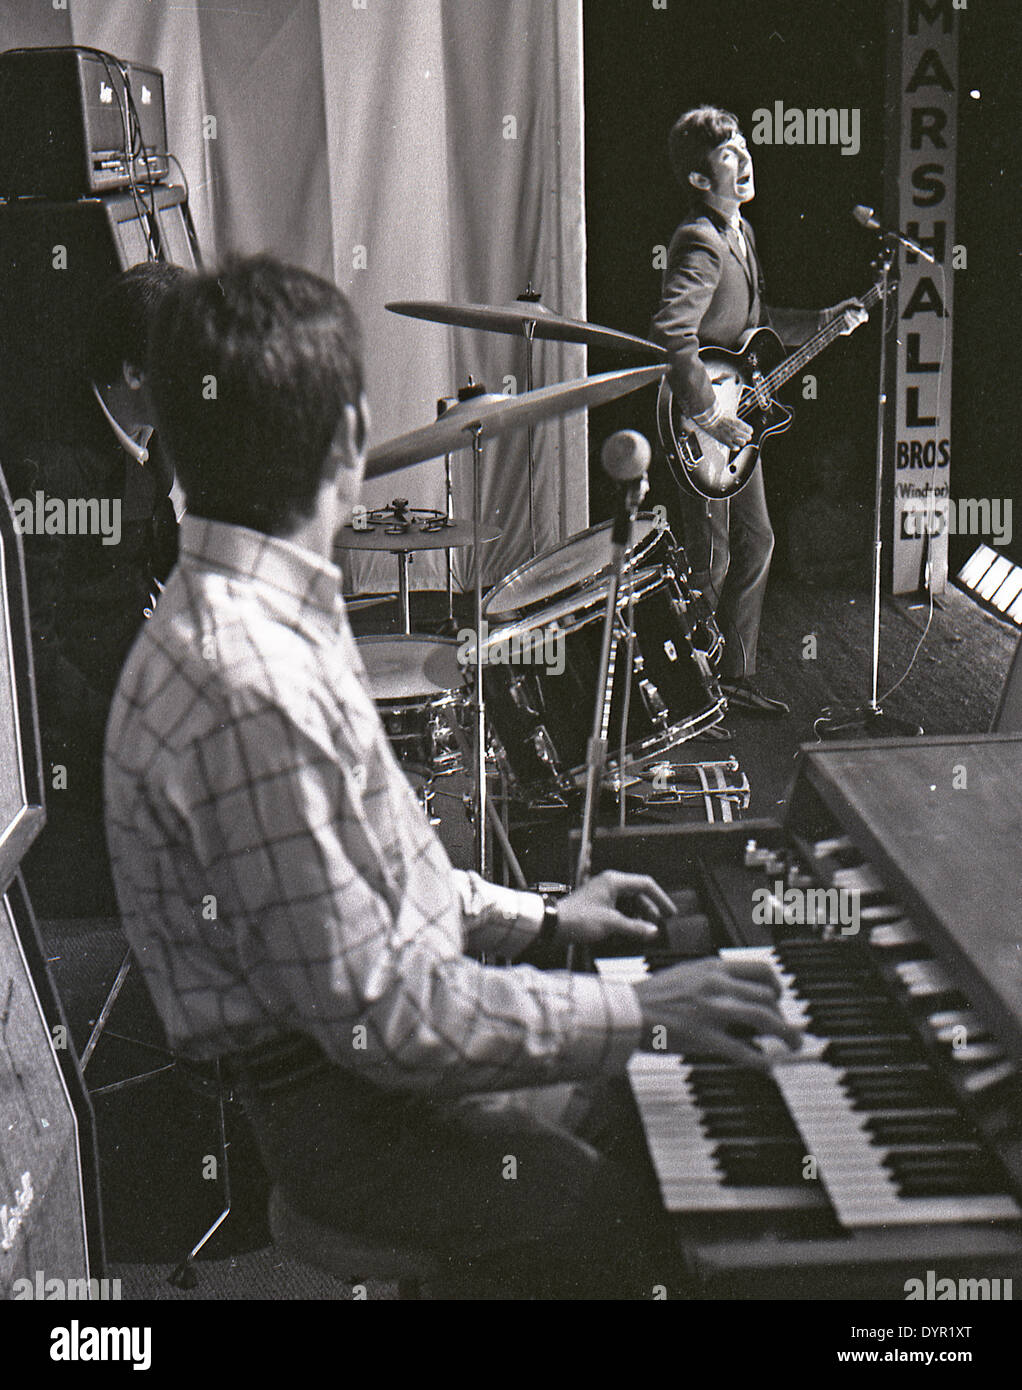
(893, 1139)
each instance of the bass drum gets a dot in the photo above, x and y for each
(571, 568)
(540, 677)
(416, 684)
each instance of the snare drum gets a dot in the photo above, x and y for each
(416, 684)
(540, 678)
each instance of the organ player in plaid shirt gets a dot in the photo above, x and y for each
(293, 911)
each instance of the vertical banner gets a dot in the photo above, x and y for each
(925, 54)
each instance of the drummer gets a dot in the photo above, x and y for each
(292, 909)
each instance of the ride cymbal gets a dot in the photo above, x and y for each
(516, 318)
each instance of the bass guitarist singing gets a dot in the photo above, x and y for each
(712, 295)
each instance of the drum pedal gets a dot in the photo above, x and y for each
(719, 783)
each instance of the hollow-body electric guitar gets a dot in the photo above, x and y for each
(744, 382)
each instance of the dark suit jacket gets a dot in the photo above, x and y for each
(710, 297)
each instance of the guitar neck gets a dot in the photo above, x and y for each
(816, 344)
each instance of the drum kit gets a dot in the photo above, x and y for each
(524, 677)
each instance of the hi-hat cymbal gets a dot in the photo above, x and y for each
(515, 319)
(490, 415)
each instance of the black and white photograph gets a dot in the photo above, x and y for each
(511, 668)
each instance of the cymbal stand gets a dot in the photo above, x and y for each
(479, 708)
(449, 508)
(442, 406)
(530, 296)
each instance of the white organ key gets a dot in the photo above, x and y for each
(850, 1165)
(683, 1155)
(862, 879)
(925, 977)
(900, 933)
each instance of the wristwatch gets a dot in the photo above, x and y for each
(551, 919)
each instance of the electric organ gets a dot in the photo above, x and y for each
(892, 1143)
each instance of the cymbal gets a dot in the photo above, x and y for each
(514, 318)
(494, 414)
(375, 537)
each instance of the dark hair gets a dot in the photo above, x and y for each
(118, 327)
(251, 368)
(693, 136)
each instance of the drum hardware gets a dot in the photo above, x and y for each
(533, 709)
(530, 296)
(405, 530)
(443, 405)
(354, 605)
(719, 784)
(626, 458)
(415, 683)
(497, 819)
(465, 426)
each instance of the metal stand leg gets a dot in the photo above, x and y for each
(403, 597)
(479, 709)
(101, 1028)
(184, 1276)
(449, 508)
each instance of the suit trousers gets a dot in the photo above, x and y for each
(728, 545)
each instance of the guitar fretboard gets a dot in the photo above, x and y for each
(807, 352)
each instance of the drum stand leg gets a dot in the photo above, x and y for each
(479, 709)
(529, 329)
(403, 597)
(449, 508)
(497, 825)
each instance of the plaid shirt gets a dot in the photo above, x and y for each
(274, 870)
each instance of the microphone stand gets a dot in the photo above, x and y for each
(869, 719)
(596, 749)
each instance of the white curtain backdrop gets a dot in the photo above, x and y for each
(410, 149)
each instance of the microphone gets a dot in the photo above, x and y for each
(626, 456)
(865, 218)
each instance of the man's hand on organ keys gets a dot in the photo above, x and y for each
(614, 904)
(708, 1006)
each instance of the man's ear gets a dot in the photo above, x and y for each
(361, 424)
(356, 433)
(134, 377)
(698, 180)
